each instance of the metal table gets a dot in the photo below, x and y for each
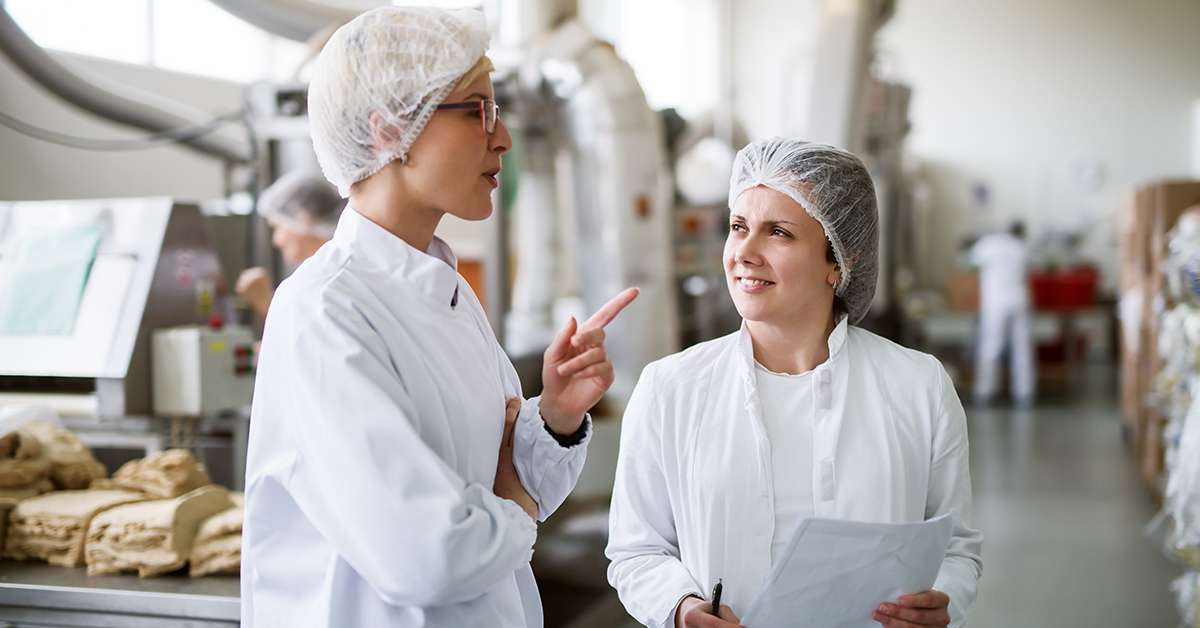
(37, 594)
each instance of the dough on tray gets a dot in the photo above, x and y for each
(43, 485)
(38, 451)
(164, 475)
(151, 537)
(218, 546)
(53, 527)
(23, 472)
(72, 465)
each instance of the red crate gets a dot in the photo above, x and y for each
(1067, 288)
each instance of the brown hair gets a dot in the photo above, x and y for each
(839, 306)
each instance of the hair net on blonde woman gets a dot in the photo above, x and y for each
(834, 187)
(396, 64)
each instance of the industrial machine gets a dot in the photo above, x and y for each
(152, 266)
(593, 202)
(77, 325)
(202, 370)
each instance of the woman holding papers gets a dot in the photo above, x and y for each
(727, 444)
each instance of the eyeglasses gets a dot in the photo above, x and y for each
(489, 111)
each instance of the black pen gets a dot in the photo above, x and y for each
(716, 596)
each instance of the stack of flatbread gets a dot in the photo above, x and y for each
(218, 546)
(151, 537)
(164, 475)
(6, 505)
(39, 457)
(53, 527)
(72, 466)
(24, 473)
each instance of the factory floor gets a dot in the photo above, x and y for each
(1062, 511)
(1062, 508)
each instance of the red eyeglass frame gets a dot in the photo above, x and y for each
(483, 106)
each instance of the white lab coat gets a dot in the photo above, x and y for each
(693, 498)
(375, 431)
(1003, 317)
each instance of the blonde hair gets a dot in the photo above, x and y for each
(482, 66)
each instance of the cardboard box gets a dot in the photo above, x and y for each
(962, 290)
(1147, 217)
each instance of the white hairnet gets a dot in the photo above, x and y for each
(399, 62)
(302, 190)
(834, 187)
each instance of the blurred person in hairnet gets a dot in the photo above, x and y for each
(394, 475)
(799, 413)
(302, 209)
(1003, 316)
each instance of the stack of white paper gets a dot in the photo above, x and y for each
(833, 573)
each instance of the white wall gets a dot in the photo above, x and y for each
(1019, 95)
(31, 169)
(673, 48)
(774, 43)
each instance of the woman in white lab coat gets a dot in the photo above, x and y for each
(386, 484)
(302, 209)
(725, 445)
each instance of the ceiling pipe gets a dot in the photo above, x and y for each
(71, 87)
(294, 19)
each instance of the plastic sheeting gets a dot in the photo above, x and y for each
(1178, 395)
(49, 279)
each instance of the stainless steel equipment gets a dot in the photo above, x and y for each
(593, 201)
(154, 268)
(202, 370)
(36, 594)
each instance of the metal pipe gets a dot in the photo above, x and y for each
(71, 87)
(293, 19)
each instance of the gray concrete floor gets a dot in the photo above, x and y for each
(1061, 509)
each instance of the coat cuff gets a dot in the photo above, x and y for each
(574, 438)
(522, 521)
(668, 620)
(533, 433)
(547, 469)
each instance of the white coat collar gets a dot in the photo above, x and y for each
(745, 359)
(433, 273)
(745, 346)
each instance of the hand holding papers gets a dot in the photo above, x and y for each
(833, 573)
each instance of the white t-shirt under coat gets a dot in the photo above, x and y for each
(787, 412)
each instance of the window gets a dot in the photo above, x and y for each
(113, 29)
(671, 45)
(193, 36)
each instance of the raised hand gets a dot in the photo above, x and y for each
(576, 370)
(254, 285)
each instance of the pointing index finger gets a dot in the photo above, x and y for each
(606, 314)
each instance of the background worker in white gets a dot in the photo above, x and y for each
(387, 484)
(725, 445)
(303, 210)
(1003, 316)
